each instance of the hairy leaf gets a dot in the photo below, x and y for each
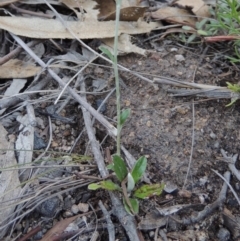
(139, 168)
(147, 191)
(120, 168)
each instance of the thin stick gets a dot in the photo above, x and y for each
(115, 66)
(191, 154)
(126, 220)
(227, 182)
(110, 226)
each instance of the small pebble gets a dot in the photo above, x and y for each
(67, 202)
(39, 143)
(185, 193)
(203, 180)
(83, 207)
(151, 234)
(170, 187)
(66, 133)
(74, 209)
(223, 234)
(19, 226)
(212, 135)
(173, 50)
(216, 145)
(237, 186)
(38, 235)
(68, 214)
(86, 196)
(179, 57)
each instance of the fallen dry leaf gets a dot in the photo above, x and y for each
(53, 28)
(105, 7)
(124, 45)
(104, 10)
(198, 7)
(58, 229)
(15, 68)
(10, 186)
(174, 15)
(89, 8)
(126, 14)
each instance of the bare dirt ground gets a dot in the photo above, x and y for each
(184, 139)
(174, 133)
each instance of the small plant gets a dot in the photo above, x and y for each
(196, 32)
(226, 23)
(128, 180)
(235, 88)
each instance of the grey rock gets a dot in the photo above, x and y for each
(50, 207)
(223, 234)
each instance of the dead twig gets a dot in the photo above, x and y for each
(199, 90)
(229, 185)
(110, 226)
(30, 233)
(231, 160)
(126, 220)
(16, 51)
(209, 209)
(191, 154)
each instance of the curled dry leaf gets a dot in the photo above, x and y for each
(174, 15)
(198, 7)
(83, 9)
(124, 45)
(104, 10)
(126, 14)
(59, 228)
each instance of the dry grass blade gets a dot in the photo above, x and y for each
(200, 90)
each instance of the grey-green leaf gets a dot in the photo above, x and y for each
(139, 168)
(147, 191)
(124, 115)
(202, 32)
(191, 38)
(107, 52)
(188, 28)
(94, 186)
(130, 183)
(199, 25)
(119, 168)
(109, 185)
(135, 206)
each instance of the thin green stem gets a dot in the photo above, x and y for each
(115, 51)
